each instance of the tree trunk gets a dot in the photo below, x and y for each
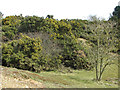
(97, 59)
(101, 65)
(101, 72)
(96, 70)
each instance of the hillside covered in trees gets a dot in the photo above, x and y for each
(46, 44)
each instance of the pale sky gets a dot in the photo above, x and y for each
(61, 9)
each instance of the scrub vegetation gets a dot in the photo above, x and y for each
(63, 53)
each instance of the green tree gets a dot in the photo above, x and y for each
(116, 13)
(116, 17)
(49, 16)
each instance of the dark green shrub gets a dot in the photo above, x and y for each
(9, 32)
(31, 24)
(24, 53)
(27, 53)
(74, 55)
(10, 26)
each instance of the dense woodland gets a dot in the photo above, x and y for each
(44, 43)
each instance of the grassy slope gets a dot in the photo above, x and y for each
(77, 79)
(54, 79)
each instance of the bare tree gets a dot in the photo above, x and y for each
(102, 53)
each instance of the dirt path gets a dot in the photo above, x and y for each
(9, 82)
(10, 79)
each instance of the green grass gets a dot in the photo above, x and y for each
(76, 79)
(79, 79)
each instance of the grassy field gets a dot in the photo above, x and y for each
(79, 79)
(56, 79)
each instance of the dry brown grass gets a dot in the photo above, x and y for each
(12, 78)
